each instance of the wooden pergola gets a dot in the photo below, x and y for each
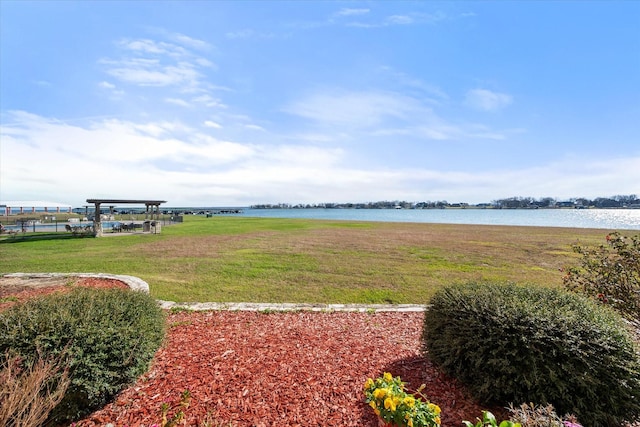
(152, 208)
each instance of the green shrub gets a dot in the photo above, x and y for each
(520, 344)
(110, 336)
(610, 273)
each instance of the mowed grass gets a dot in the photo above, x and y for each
(232, 259)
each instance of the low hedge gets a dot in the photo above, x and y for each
(514, 344)
(109, 336)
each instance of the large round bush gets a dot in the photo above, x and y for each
(510, 343)
(109, 336)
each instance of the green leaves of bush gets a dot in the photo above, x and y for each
(509, 343)
(610, 273)
(110, 336)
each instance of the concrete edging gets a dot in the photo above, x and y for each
(257, 306)
(138, 284)
(134, 283)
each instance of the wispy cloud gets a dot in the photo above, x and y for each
(209, 101)
(212, 124)
(177, 101)
(190, 41)
(146, 72)
(248, 33)
(152, 47)
(351, 12)
(145, 62)
(106, 85)
(411, 18)
(368, 18)
(254, 127)
(114, 93)
(354, 109)
(486, 100)
(384, 113)
(435, 93)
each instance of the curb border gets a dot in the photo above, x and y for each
(138, 284)
(134, 283)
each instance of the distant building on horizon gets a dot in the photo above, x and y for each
(12, 207)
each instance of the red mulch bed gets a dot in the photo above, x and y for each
(17, 294)
(281, 369)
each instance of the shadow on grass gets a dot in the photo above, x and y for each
(30, 237)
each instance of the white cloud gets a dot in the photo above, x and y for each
(241, 34)
(354, 109)
(154, 63)
(405, 80)
(413, 18)
(152, 73)
(486, 100)
(107, 85)
(248, 33)
(378, 113)
(190, 41)
(212, 124)
(172, 161)
(203, 62)
(177, 101)
(400, 20)
(152, 47)
(209, 101)
(352, 12)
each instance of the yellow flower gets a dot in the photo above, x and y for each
(410, 422)
(409, 401)
(434, 408)
(376, 411)
(387, 377)
(368, 384)
(373, 404)
(437, 420)
(390, 404)
(379, 393)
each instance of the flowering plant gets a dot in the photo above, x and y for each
(489, 420)
(389, 400)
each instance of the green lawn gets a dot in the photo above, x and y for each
(231, 259)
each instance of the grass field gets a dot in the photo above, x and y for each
(232, 259)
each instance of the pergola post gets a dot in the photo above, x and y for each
(97, 223)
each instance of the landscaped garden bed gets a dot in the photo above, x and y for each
(265, 368)
(275, 369)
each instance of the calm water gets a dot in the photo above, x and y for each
(612, 219)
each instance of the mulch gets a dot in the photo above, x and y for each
(22, 290)
(280, 369)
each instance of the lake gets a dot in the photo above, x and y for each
(610, 219)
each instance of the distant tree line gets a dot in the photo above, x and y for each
(620, 201)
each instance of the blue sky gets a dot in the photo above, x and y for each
(233, 103)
